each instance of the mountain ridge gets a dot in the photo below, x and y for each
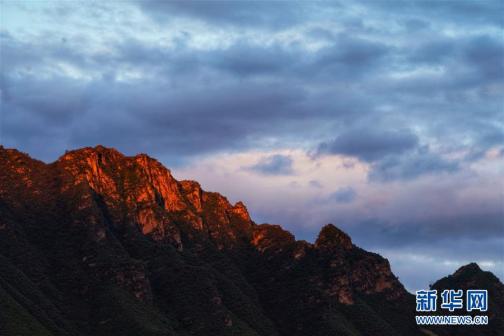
(115, 243)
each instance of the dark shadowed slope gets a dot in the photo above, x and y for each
(472, 277)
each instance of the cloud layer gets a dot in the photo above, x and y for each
(385, 119)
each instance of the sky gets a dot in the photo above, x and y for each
(385, 118)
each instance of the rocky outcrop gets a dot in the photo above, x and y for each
(331, 238)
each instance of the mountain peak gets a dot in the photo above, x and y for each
(14, 152)
(470, 268)
(332, 237)
(98, 151)
(471, 276)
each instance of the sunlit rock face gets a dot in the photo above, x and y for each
(142, 191)
(111, 244)
(137, 190)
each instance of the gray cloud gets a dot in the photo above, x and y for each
(392, 154)
(467, 13)
(351, 54)
(419, 162)
(274, 165)
(344, 195)
(187, 117)
(370, 144)
(474, 225)
(243, 59)
(265, 90)
(242, 13)
(486, 54)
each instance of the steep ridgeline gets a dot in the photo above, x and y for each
(98, 243)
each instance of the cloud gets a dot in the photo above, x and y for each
(434, 228)
(274, 165)
(343, 195)
(417, 163)
(392, 154)
(472, 13)
(314, 184)
(245, 59)
(370, 144)
(434, 51)
(351, 54)
(485, 54)
(241, 13)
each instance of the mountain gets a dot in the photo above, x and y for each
(99, 243)
(472, 277)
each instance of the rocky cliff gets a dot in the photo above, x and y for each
(98, 243)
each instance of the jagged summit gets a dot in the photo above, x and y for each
(13, 152)
(470, 276)
(332, 237)
(470, 268)
(108, 153)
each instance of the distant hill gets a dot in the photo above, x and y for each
(472, 277)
